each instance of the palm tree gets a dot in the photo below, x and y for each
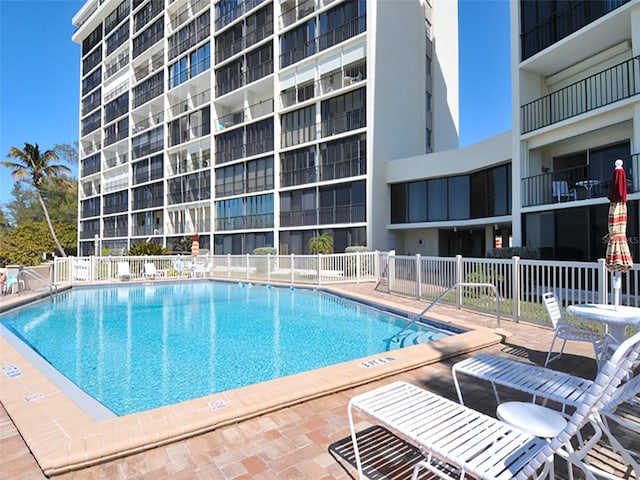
(321, 244)
(34, 167)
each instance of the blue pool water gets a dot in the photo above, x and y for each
(138, 347)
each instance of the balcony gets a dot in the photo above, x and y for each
(324, 216)
(244, 222)
(574, 184)
(343, 32)
(190, 227)
(292, 15)
(603, 88)
(344, 123)
(146, 230)
(224, 19)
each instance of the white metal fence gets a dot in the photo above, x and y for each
(520, 283)
(301, 269)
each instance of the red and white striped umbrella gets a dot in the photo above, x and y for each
(618, 257)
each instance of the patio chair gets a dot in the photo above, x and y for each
(123, 271)
(151, 272)
(539, 382)
(621, 418)
(457, 440)
(561, 191)
(565, 331)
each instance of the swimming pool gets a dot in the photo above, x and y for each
(138, 347)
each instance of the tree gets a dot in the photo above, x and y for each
(35, 168)
(26, 243)
(4, 223)
(321, 243)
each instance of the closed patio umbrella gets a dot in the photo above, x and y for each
(618, 257)
(195, 246)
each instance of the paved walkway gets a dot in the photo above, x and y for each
(309, 440)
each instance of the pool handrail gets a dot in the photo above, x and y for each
(53, 288)
(417, 317)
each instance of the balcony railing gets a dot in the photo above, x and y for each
(344, 123)
(324, 216)
(237, 12)
(146, 230)
(344, 169)
(191, 227)
(603, 88)
(343, 32)
(563, 23)
(264, 220)
(574, 184)
(297, 13)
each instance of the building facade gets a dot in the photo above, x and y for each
(575, 69)
(258, 122)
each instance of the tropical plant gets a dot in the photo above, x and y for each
(36, 168)
(147, 248)
(322, 243)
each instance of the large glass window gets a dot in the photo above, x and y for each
(458, 198)
(417, 201)
(437, 199)
(486, 193)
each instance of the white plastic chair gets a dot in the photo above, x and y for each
(150, 271)
(622, 413)
(457, 440)
(123, 271)
(565, 331)
(561, 191)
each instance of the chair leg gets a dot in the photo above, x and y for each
(549, 358)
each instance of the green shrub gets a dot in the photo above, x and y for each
(322, 243)
(147, 248)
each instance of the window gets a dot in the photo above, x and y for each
(344, 112)
(299, 126)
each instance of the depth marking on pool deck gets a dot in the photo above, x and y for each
(376, 362)
(216, 404)
(11, 371)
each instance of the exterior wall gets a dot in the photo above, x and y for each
(425, 237)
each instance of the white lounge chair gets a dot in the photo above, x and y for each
(623, 412)
(457, 440)
(565, 331)
(151, 272)
(123, 271)
(540, 382)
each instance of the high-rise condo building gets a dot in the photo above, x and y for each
(258, 122)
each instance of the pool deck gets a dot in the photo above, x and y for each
(283, 429)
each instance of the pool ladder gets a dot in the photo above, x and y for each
(417, 317)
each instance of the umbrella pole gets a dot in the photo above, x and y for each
(617, 282)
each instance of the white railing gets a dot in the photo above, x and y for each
(300, 269)
(520, 283)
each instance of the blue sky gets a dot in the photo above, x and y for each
(39, 74)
